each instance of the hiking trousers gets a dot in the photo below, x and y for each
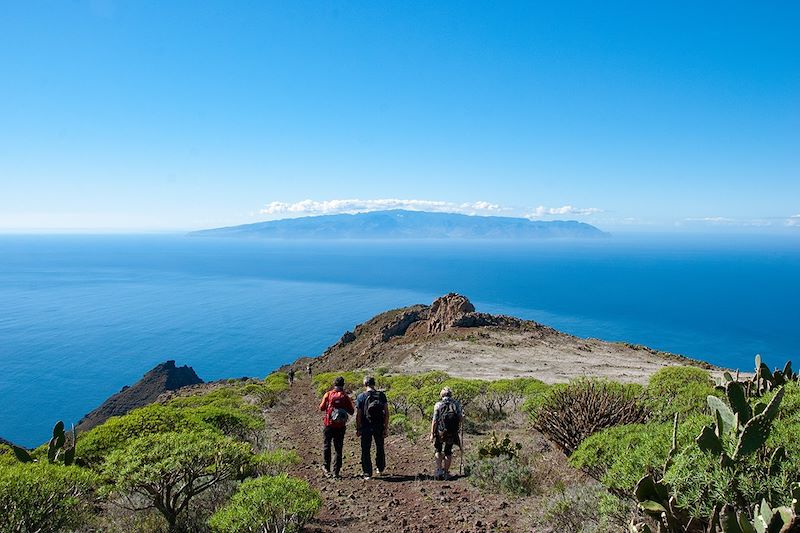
(335, 436)
(366, 457)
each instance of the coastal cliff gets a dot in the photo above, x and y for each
(162, 378)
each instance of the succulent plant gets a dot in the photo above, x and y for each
(57, 448)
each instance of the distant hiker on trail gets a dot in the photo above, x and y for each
(338, 407)
(308, 369)
(447, 418)
(291, 377)
(372, 423)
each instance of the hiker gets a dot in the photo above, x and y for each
(372, 423)
(447, 418)
(308, 369)
(291, 377)
(338, 407)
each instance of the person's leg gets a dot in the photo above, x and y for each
(326, 448)
(437, 445)
(338, 444)
(448, 459)
(366, 460)
(380, 453)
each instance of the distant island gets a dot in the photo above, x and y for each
(401, 224)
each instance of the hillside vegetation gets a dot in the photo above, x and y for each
(682, 453)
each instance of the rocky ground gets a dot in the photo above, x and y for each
(406, 499)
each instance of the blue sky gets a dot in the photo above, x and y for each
(147, 115)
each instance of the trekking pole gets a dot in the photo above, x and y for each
(461, 449)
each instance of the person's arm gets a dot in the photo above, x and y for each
(433, 423)
(385, 416)
(351, 408)
(358, 418)
(324, 404)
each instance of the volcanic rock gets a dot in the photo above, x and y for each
(162, 378)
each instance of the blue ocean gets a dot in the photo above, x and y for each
(81, 316)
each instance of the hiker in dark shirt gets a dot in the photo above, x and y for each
(445, 425)
(291, 377)
(337, 406)
(372, 423)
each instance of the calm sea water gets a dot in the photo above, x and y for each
(81, 316)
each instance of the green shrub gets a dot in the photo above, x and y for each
(584, 508)
(399, 424)
(170, 468)
(275, 462)
(44, 497)
(117, 431)
(679, 389)
(620, 456)
(268, 503)
(503, 474)
(323, 382)
(7, 455)
(231, 422)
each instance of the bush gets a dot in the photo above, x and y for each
(7, 456)
(276, 462)
(231, 422)
(584, 508)
(323, 382)
(44, 497)
(620, 456)
(679, 389)
(268, 503)
(570, 413)
(117, 431)
(169, 469)
(503, 474)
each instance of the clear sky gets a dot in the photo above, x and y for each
(145, 115)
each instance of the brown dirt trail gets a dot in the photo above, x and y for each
(406, 499)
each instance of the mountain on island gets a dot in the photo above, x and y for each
(401, 224)
(162, 378)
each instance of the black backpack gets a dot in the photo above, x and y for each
(374, 408)
(449, 419)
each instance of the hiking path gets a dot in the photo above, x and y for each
(405, 499)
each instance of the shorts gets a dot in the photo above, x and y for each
(448, 442)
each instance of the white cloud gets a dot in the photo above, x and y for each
(793, 220)
(350, 206)
(543, 211)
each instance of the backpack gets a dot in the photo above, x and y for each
(337, 414)
(449, 419)
(373, 409)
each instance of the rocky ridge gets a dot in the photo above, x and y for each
(450, 335)
(162, 378)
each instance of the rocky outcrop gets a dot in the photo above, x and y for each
(400, 330)
(399, 325)
(164, 377)
(447, 311)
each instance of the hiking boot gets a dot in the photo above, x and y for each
(446, 476)
(439, 475)
(366, 477)
(336, 475)
(378, 473)
(326, 471)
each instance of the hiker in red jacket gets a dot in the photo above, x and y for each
(338, 407)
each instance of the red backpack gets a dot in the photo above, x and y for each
(337, 414)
